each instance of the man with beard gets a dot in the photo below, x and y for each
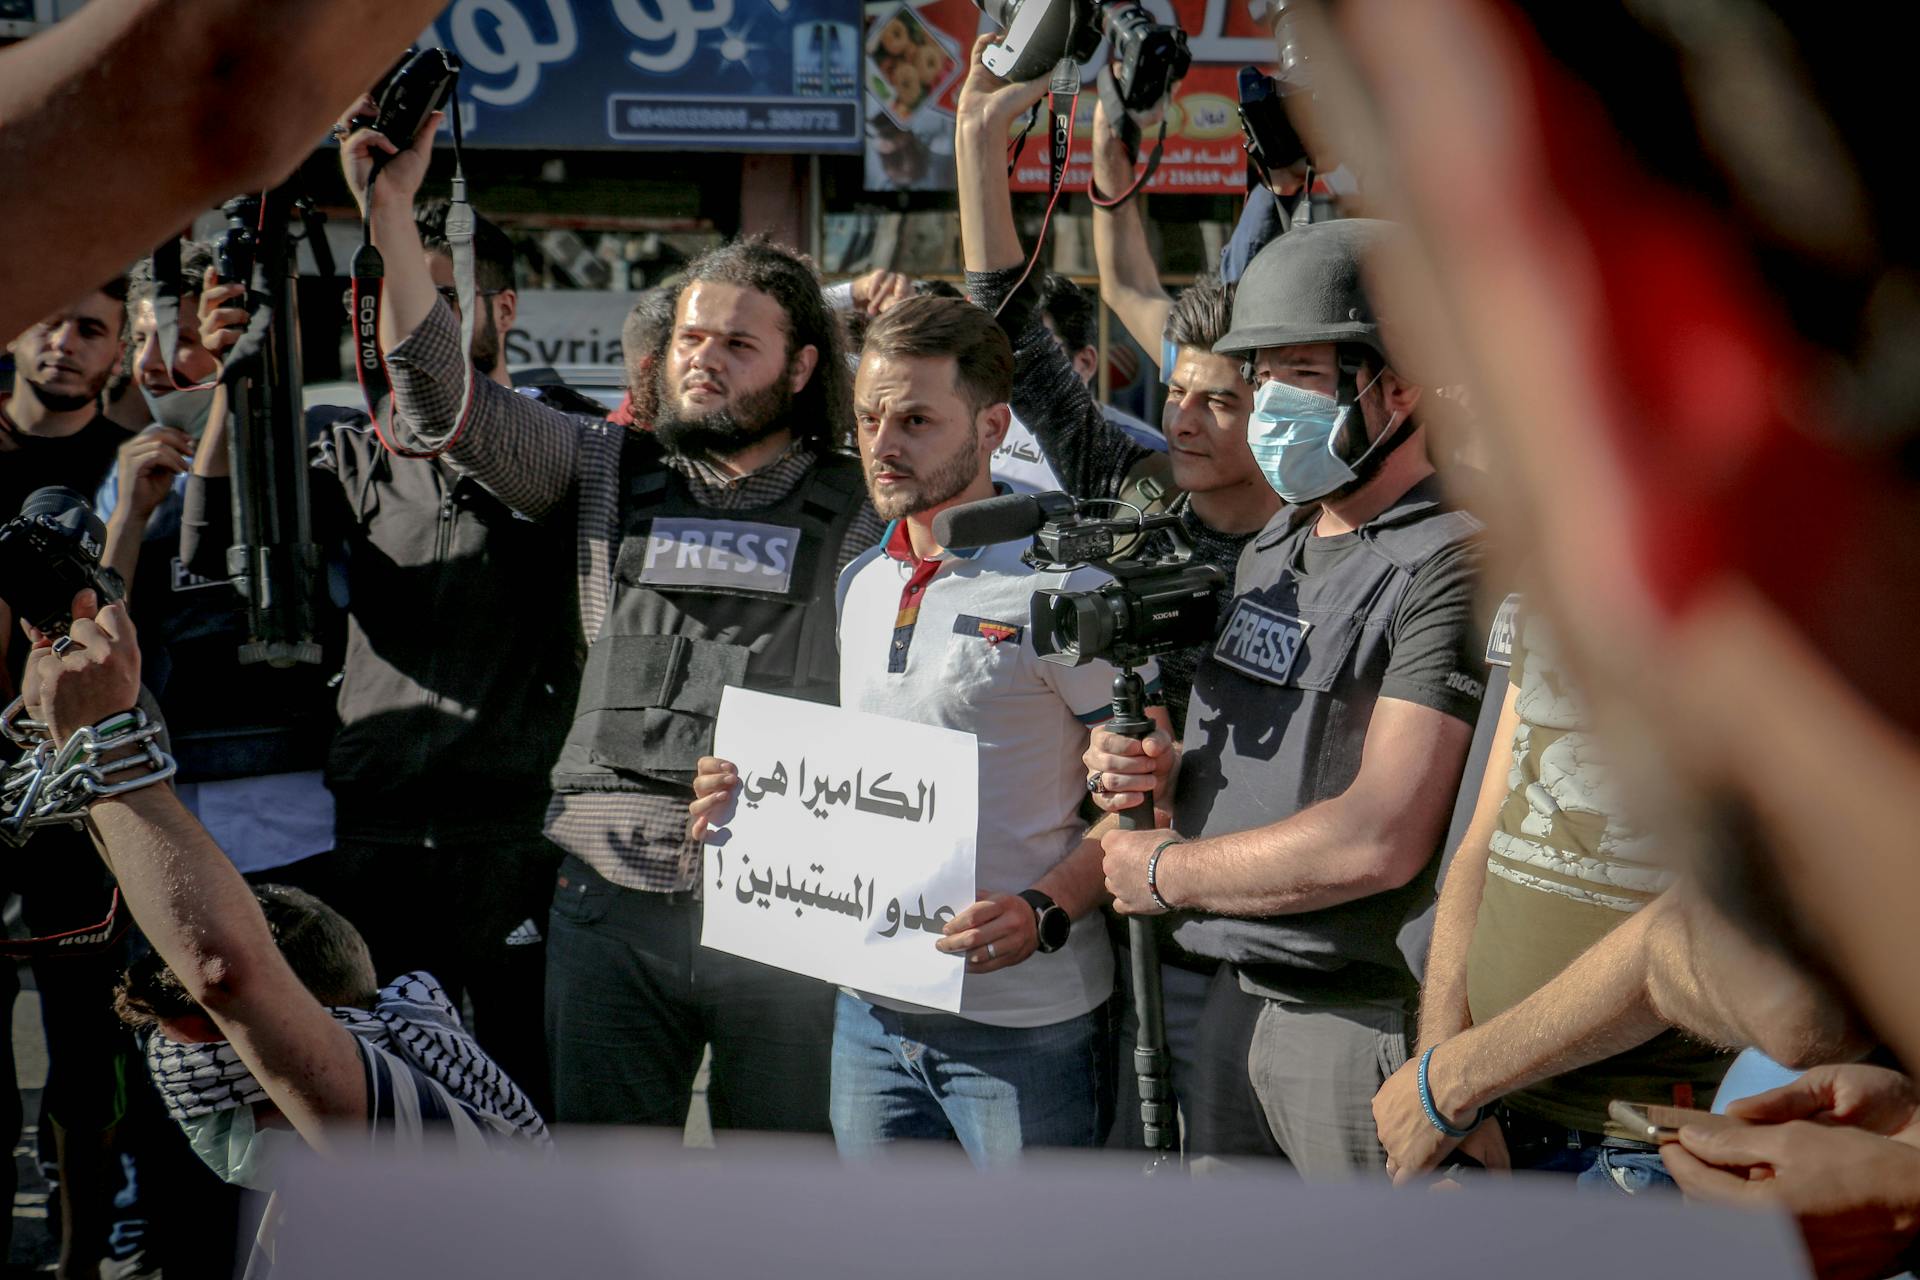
(941, 638)
(438, 768)
(706, 555)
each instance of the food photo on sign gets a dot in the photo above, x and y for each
(914, 65)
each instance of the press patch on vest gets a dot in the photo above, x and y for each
(987, 629)
(1500, 639)
(1261, 642)
(734, 554)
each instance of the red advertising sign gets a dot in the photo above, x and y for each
(911, 88)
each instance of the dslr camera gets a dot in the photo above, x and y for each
(51, 552)
(413, 89)
(1154, 605)
(1040, 34)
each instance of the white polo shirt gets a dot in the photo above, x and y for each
(947, 643)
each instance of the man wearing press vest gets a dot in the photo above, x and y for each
(1327, 731)
(706, 555)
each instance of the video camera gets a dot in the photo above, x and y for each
(1041, 34)
(1154, 605)
(49, 553)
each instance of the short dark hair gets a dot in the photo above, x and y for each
(116, 288)
(928, 326)
(195, 257)
(492, 250)
(326, 953)
(823, 409)
(1202, 314)
(1071, 309)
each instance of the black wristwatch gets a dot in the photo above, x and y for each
(1050, 918)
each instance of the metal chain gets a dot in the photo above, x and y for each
(52, 786)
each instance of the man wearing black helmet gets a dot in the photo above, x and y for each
(1326, 733)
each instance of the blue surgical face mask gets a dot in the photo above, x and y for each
(1292, 431)
(239, 1150)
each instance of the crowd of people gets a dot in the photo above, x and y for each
(1420, 914)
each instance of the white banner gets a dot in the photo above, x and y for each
(568, 326)
(849, 847)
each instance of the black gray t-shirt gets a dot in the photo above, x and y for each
(1436, 658)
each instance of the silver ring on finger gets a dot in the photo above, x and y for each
(63, 644)
(989, 951)
(1093, 785)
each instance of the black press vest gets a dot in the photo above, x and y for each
(705, 598)
(1279, 716)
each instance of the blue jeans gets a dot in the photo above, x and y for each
(1615, 1169)
(997, 1090)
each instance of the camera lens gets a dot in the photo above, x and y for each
(1082, 623)
(53, 501)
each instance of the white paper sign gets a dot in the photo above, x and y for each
(1021, 465)
(848, 848)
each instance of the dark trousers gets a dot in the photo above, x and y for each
(472, 915)
(1294, 1079)
(633, 999)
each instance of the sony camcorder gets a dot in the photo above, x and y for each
(1150, 56)
(51, 552)
(1154, 605)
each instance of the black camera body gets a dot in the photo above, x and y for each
(1040, 34)
(1154, 604)
(1273, 144)
(235, 247)
(51, 552)
(1150, 608)
(417, 86)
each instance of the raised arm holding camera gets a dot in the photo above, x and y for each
(1205, 420)
(735, 502)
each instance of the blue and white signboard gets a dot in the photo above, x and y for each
(723, 75)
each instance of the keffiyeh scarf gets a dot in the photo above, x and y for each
(412, 1019)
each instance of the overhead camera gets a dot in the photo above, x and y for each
(1151, 56)
(1154, 605)
(51, 552)
(1273, 144)
(413, 89)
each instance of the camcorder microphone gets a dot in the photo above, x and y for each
(1006, 518)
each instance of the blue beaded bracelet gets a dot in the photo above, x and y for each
(1433, 1113)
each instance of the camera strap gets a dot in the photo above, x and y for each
(75, 942)
(1127, 129)
(369, 282)
(1064, 99)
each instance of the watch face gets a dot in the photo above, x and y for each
(1055, 925)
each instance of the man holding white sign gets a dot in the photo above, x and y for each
(941, 639)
